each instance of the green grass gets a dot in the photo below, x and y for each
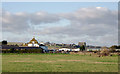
(58, 63)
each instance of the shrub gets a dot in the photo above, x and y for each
(104, 52)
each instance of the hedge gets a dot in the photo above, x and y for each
(12, 50)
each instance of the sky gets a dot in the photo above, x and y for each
(61, 22)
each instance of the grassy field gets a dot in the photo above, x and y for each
(58, 63)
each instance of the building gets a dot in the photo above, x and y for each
(65, 49)
(82, 43)
(93, 48)
(42, 44)
(33, 43)
(76, 49)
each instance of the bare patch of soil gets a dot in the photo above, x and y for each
(51, 61)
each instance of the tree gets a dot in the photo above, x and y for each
(82, 48)
(4, 42)
(113, 48)
(16, 44)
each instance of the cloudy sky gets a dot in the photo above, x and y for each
(60, 22)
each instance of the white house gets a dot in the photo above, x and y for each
(65, 49)
(76, 49)
(33, 43)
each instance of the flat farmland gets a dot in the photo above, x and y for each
(58, 63)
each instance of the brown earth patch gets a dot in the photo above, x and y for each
(51, 61)
(34, 61)
(71, 60)
(106, 62)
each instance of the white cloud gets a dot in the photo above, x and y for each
(95, 25)
(43, 17)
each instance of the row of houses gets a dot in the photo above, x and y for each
(34, 44)
(93, 48)
(62, 45)
(78, 49)
(66, 49)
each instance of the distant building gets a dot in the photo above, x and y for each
(65, 49)
(33, 43)
(47, 43)
(93, 48)
(76, 49)
(82, 43)
(42, 44)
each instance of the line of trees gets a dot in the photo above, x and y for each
(115, 47)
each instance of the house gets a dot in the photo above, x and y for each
(65, 49)
(42, 44)
(76, 49)
(93, 49)
(33, 43)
